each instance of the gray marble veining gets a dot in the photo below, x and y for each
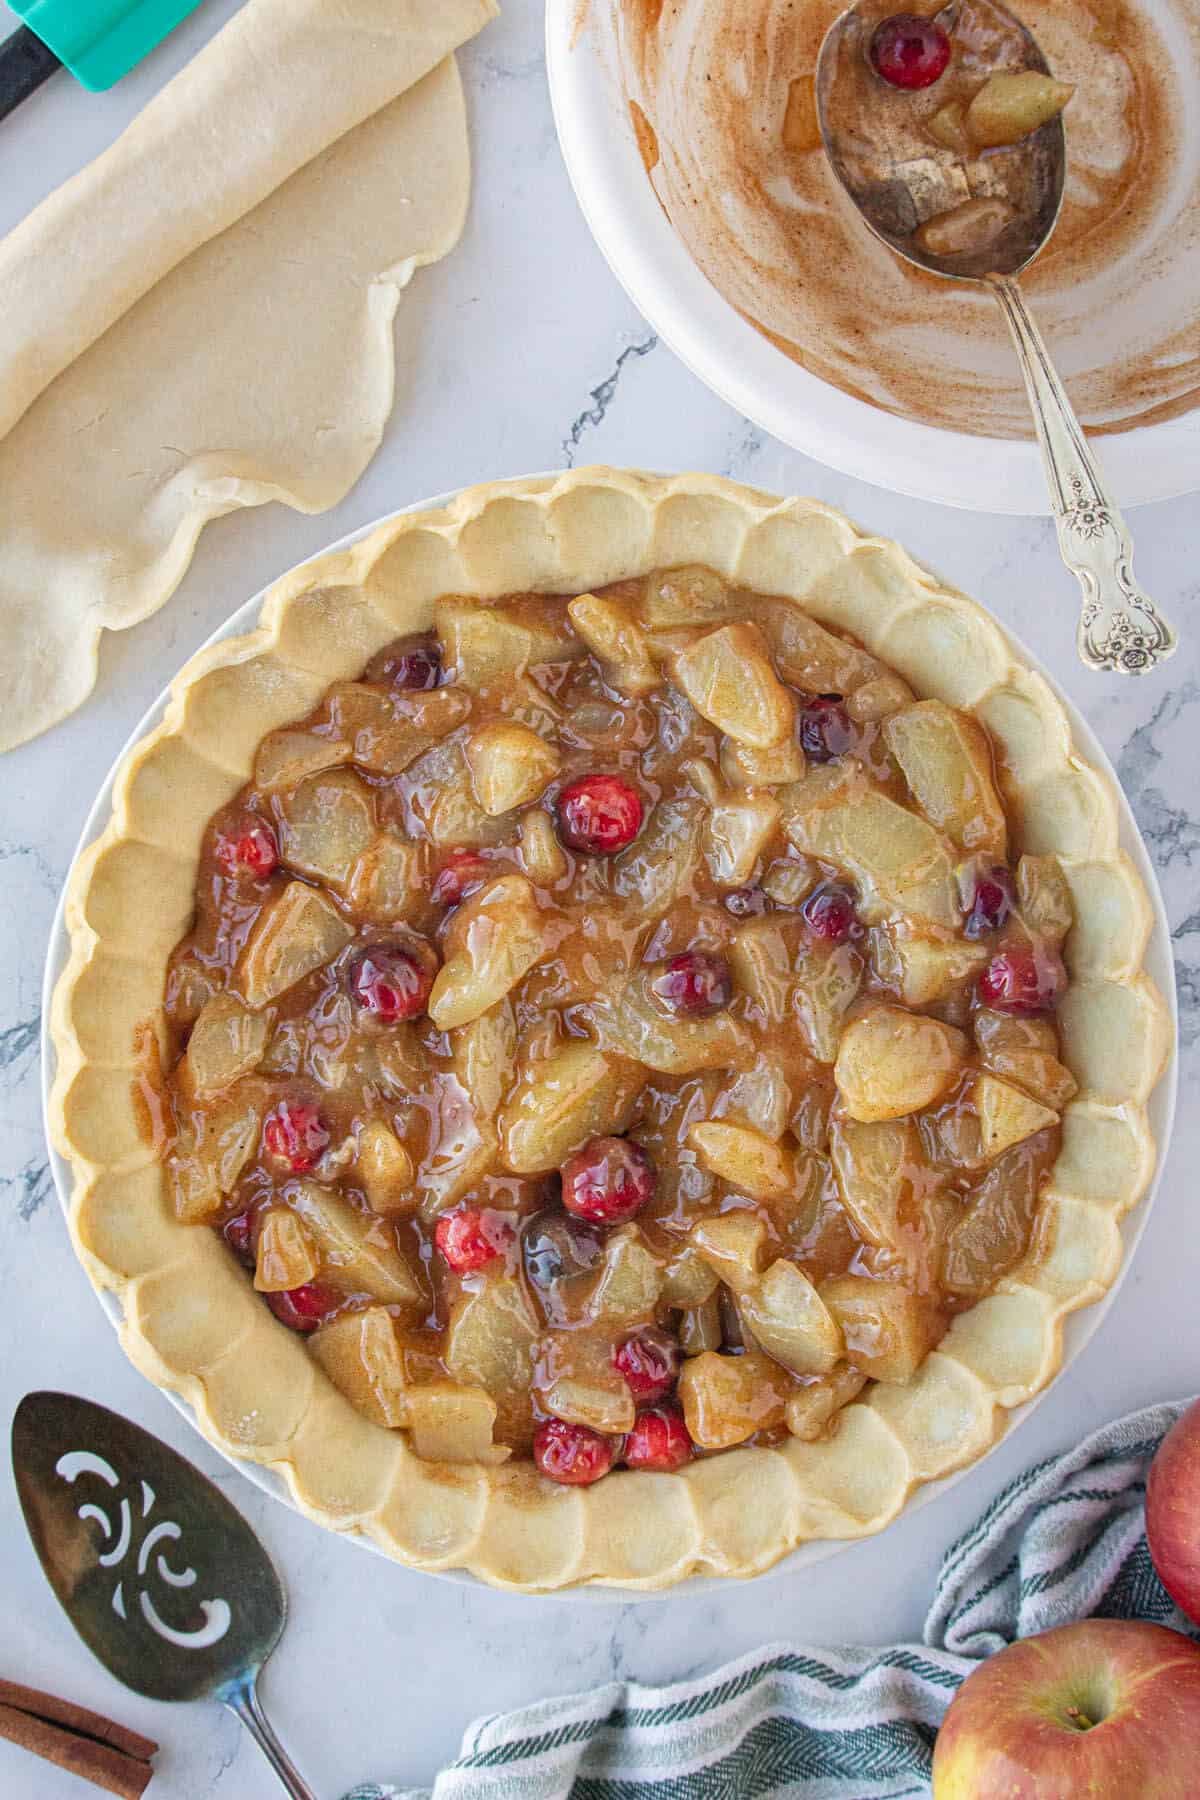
(524, 334)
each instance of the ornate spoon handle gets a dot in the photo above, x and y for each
(1120, 629)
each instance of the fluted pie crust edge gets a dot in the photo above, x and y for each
(193, 1324)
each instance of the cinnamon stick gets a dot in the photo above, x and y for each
(97, 1749)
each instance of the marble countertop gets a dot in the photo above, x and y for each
(520, 353)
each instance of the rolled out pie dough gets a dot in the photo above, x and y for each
(202, 318)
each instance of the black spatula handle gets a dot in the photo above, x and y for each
(25, 62)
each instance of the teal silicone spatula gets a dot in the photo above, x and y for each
(98, 40)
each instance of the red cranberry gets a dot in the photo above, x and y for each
(295, 1135)
(994, 897)
(659, 1441)
(573, 1454)
(693, 984)
(239, 1234)
(412, 666)
(1023, 981)
(909, 51)
(599, 814)
(472, 1238)
(302, 1308)
(830, 913)
(462, 872)
(251, 850)
(825, 729)
(608, 1181)
(390, 982)
(649, 1361)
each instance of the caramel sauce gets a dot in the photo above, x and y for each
(354, 1070)
(720, 89)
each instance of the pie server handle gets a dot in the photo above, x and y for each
(242, 1700)
(25, 62)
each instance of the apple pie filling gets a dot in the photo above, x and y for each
(617, 1028)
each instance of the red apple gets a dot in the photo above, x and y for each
(1173, 1512)
(1108, 1709)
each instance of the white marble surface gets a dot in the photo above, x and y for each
(521, 353)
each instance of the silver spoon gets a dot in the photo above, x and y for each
(899, 178)
(163, 1580)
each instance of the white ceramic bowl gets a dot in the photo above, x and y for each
(1152, 462)
(1079, 1326)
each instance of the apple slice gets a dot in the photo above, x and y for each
(630, 1282)
(688, 1280)
(294, 934)
(581, 1385)
(289, 756)
(384, 1170)
(726, 1399)
(946, 760)
(489, 1343)
(1006, 1115)
(358, 1249)
(483, 644)
(891, 1063)
(896, 858)
(484, 1054)
(661, 862)
(362, 1356)
(734, 1246)
(993, 1230)
(728, 677)
(286, 1255)
(213, 1146)
(450, 1423)
(759, 1097)
(494, 939)
(390, 880)
(745, 766)
(875, 1165)
(737, 833)
(613, 635)
(745, 1159)
(791, 1322)
(576, 1093)
(1044, 899)
(920, 968)
(808, 656)
(227, 1042)
(828, 979)
(888, 1330)
(689, 595)
(325, 825)
(510, 765)
(813, 1408)
(1025, 1052)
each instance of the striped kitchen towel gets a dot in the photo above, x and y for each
(1062, 1541)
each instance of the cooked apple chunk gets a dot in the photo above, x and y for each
(510, 765)
(1044, 899)
(1012, 104)
(791, 1322)
(744, 766)
(212, 1148)
(578, 1382)
(485, 1057)
(888, 1330)
(733, 1245)
(876, 1165)
(812, 1408)
(448, 1422)
(462, 1148)
(1024, 1051)
(827, 980)
(635, 1027)
(483, 644)
(700, 1327)
(658, 866)
(896, 858)
(893, 1062)
(745, 1159)
(389, 735)
(390, 880)
(227, 1042)
(920, 968)
(1006, 1115)
(736, 834)
(877, 700)
(688, 1280)
(690, 595)
(613, 635)
(947, 762)
(325, 825)
(287, 757)
(810, 657)
(294, 934)
(726, 1399)
(631, 1279)
(577, 1093)
(993, 1229)
(542, 856)
(494, 940)
(362, 1356)
(759, 1097)
(286, 1256)
(728, 677)
(384, 1169)
(359, 1250)
(489, 1343)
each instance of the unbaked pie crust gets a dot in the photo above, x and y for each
(193, 1324)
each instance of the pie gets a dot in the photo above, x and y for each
(603, 1040)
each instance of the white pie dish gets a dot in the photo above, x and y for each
(1079, 1326)
(998, 475)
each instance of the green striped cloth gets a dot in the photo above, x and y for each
(1064, 1540)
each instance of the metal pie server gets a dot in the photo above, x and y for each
(161, 1577)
